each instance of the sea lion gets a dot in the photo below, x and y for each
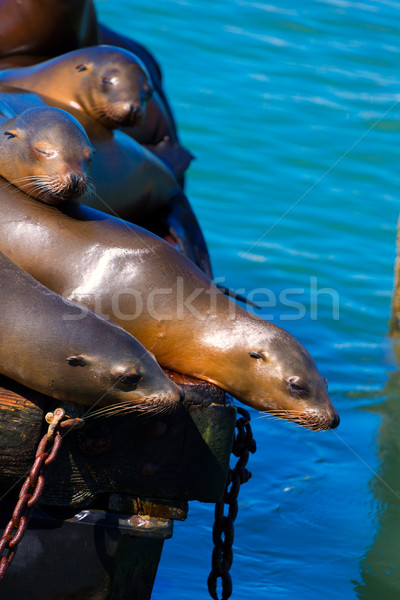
(151, 290)
(46, 153)
(111, 85)
(130, 181)
(39, 29)
(71, 353)
(108, 83)
(46, 27)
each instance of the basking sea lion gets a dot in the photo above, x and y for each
(108, 83)
(35, 30)
(71, 353)
(130, 181)
(151, 290)
(45, 28)
(111, 85)
(128, 178)
(46, 153)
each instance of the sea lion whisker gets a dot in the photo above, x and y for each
(15, 182)
(20, 179)
(37, 188)
(35, 181)
(90, 191)
(92, 413)
(129, 407)
(6, 185)
(118, 410)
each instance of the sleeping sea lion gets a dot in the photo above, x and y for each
(36, 30)
(71, 353)
(111, 85)
(130, 181)
(46, 153)
(155, 293)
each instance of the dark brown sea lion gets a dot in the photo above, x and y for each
(46, 27)
(155, 293)
(71, 353)
(46, 153)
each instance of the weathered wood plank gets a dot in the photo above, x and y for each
(181, 456)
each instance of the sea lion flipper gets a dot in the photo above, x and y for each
(232, 294)
(176, 157)
(184, 227)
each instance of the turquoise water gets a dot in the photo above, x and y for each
(290, 108)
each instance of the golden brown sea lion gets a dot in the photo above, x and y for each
(34, 30)
(46, 153)
(111, 85)
(157, 123)
(155, 293)
(108, 83)
(130, 181)
(71, 353)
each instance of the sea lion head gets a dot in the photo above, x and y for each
(268, 369)
(119, 373)
(47, 154)
(113, 85)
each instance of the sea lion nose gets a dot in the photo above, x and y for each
(76, 183)
(134, 113)
(335, 420)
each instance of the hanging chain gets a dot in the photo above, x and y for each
(223, 530)
(32, 489)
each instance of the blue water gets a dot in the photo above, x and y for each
(290, 108)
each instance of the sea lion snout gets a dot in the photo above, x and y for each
(173, 397)
(125, 113)
(134, 114)
(76, 184)
(319, 420)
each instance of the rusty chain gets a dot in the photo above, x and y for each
(32, 488)
(223, 530)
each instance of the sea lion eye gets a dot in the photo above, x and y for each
(296, 385)
(45, 152)
(108, 80)
(76, 361)
(81, 67)
(130, 380)
(11, 134)
(261, 355)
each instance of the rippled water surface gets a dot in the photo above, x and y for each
(290, 108)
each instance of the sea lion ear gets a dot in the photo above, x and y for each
(81, 67)
(76, 361)
(11, 133)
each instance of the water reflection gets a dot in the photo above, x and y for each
(380, 568)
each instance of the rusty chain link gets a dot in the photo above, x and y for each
(33, 487)
(223, 530)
